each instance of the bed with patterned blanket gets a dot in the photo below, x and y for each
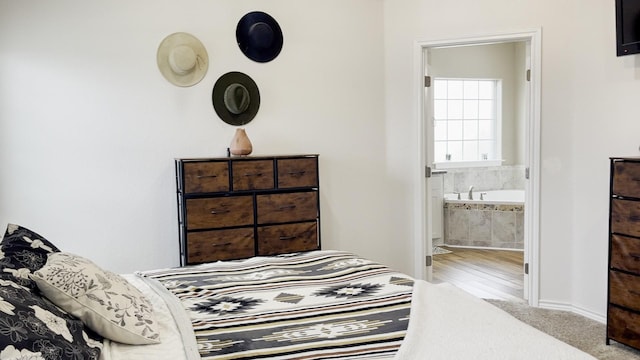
(334, 305)
(313, 305)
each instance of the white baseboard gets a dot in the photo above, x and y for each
(555, 305)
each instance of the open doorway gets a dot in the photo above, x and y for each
(475, 143)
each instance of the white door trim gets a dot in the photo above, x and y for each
(422, 243)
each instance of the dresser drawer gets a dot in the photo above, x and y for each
(302, 172)
(625, 253)
(252, 175)
(202, 177)
(205, 246)
(280, 239)
(623, 326)
(624, 290)
(625, 217)
(279, 208)
(626, 178)
(219, 212)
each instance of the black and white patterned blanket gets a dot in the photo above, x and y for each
(315, 305)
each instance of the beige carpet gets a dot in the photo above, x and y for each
(583, 333)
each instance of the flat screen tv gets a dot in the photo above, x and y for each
(627, 27)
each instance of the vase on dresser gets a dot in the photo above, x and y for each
(240, 144)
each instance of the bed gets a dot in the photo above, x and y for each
(314, 305)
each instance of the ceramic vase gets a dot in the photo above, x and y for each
(240, 144)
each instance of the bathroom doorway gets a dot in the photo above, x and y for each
(469, 154)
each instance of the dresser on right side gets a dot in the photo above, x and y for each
(623, 304)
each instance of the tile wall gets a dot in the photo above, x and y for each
(484, 178)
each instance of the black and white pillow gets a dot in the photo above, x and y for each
(22, 252)
(105, 302)
(31, 324)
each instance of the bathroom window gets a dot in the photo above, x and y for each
(467, 122)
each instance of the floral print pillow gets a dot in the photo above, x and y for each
(31, 327)
(22, 252)
(106, 302)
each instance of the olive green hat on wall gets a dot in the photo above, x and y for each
(236, 98)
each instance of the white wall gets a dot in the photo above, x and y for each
(89, 127)
(521, 103)
(587, 115)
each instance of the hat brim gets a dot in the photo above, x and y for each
(245, 41)
(217, 98)
(202, 59)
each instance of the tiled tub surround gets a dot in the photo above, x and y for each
(484, 178)
(476, 224)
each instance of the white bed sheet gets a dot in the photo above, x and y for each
(171, 346)
(449, 323)
(446, 323)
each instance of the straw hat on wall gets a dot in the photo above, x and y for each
(182, 59)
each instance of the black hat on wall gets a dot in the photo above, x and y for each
(236, 98)
(259, 36)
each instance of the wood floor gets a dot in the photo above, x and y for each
(488, 274)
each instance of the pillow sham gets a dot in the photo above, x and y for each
(106, 302)
(22, 252)
(31, 324)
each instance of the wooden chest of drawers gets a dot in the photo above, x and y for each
(623, 308)
(233, 208)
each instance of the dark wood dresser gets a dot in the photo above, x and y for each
(239, 207)
(623, 307)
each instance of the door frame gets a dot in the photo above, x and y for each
(423, 241)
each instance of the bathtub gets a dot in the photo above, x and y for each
(495, 222)
(506, 197)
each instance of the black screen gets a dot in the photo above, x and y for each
(630, 11)
(628, 26)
